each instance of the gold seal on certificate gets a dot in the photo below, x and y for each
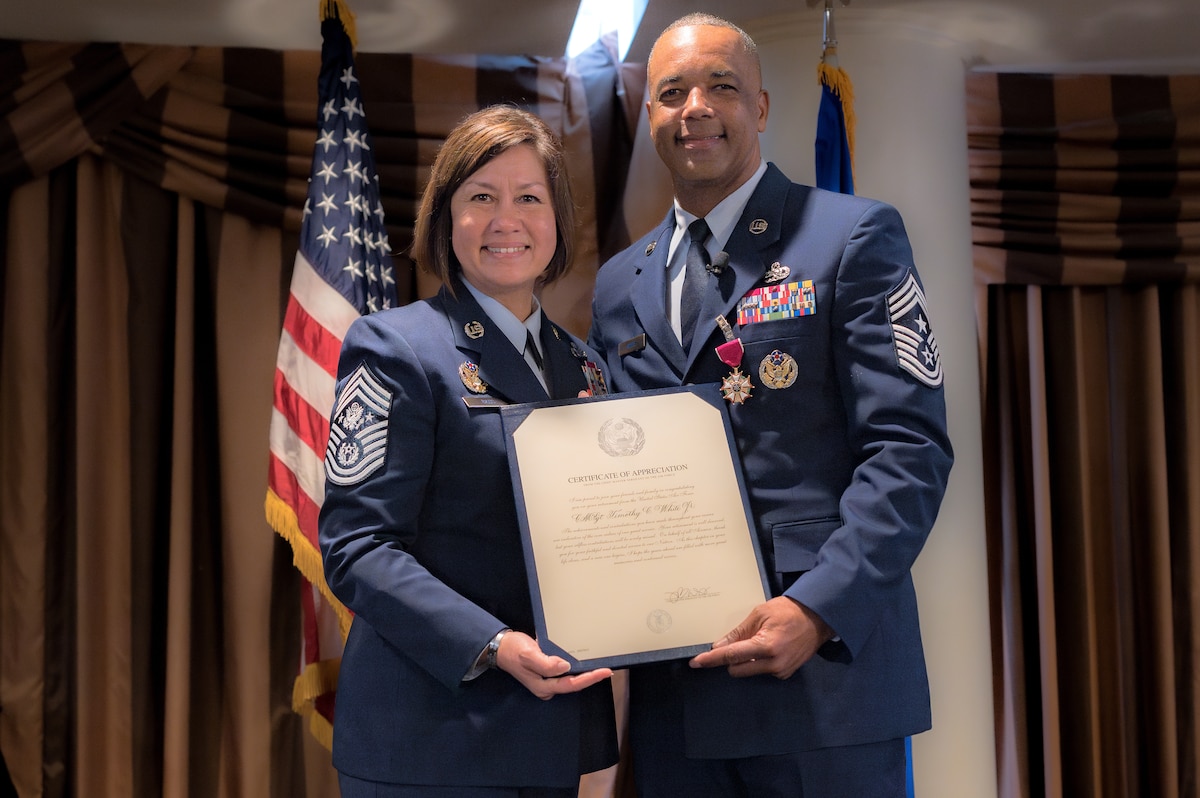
(638, 536)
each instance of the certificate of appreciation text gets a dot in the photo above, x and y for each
(638, 538)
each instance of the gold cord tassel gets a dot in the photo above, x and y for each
(839, 83)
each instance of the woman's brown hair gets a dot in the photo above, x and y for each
(475, 141)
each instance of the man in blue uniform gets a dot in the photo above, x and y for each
(806, 307)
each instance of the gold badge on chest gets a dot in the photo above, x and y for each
(778, 370)
(469, 373)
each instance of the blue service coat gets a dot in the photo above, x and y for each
(420, 539)
(845, 467)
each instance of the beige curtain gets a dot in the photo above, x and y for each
(1086, 212)
(139, 653)
(150, 199)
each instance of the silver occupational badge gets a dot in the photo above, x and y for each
(778, 370)
(469, 373)
(473, 329)
(777, 273)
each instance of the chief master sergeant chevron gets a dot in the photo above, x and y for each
(813, 319)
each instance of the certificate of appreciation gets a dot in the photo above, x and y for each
(638, 537)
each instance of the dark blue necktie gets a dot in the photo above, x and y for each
(532, 347)
(695, 279)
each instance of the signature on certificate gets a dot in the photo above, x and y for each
(688, 593)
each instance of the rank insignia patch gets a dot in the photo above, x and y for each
(782, 301)
(358, 431)
(916, 348)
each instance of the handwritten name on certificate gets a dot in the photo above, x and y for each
(637, 530)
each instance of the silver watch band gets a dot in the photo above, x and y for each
(493, 648)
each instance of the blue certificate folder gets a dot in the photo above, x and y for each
(637, 531)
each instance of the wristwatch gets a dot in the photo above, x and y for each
(493, 648)
(486, 660)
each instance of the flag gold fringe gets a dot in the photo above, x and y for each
(317, 679)
(839, 83)
(341, 10)
(305, 557)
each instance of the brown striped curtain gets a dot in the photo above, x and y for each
(1085, 200)
(150, 199)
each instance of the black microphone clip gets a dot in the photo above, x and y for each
(720, 261)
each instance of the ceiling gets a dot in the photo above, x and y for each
(1120, 35)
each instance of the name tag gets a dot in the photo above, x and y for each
(635, 344)
(483, 401)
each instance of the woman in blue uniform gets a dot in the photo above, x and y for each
(443, 690)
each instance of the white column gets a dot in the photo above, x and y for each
(912, 152)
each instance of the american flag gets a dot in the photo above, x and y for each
(343, 269)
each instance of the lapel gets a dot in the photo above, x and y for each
(748, 260)
(648, 293)
(564, 372)
(501, 366)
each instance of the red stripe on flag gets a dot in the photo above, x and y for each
(283, 482)
(312, 654)
(309, 425)
(312, 634)
(311, 337)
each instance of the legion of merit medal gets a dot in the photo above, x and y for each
(469, 373)
(778, 370)
(737, 386)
